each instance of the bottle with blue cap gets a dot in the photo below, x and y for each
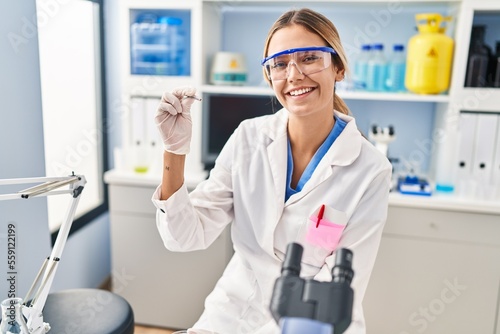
(360, 68)
(396, 70)
(376, 69)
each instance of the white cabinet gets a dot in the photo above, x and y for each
(465, 99)
(151, 87)
(164, 288)
(437, 272)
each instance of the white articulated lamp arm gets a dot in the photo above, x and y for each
(39, 291)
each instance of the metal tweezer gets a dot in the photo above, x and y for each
(192, 97)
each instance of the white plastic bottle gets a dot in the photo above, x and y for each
(361, 67)
(396, 70)
(376, 70)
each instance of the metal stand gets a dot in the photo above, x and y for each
(39, 290)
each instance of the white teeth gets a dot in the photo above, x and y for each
(300, 91)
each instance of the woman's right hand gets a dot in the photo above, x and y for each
(173, 119)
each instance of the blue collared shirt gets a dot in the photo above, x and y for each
(320, 153)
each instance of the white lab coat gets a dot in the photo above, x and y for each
(246, 188)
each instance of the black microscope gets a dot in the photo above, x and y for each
(306, 306)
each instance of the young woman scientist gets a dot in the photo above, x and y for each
(273, 174)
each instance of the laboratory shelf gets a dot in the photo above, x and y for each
(237, 90)
(435, 201)
(332, 1)
(407, 97)
(445, 202)
(150, 179)
(481, 99)
(347, 95)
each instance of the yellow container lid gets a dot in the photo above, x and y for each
(431, 22)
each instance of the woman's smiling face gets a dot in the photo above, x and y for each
(300, 94)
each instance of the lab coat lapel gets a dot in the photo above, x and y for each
(322, 172)
(277, 157)
(343, 152)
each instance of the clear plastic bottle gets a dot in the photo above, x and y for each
(396, 69)
(360, 68)
(376, 70)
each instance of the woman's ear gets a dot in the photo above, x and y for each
(340, 75)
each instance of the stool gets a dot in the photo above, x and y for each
(88, 311)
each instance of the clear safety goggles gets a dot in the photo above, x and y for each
(307, 61)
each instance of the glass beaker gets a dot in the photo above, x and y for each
(13, 321)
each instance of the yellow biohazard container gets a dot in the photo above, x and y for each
(429, 56)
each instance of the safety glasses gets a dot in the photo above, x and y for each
(307, 61)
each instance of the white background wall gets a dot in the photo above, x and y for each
(21, 141)
(117, 102)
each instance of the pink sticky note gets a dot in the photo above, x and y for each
(326, 235)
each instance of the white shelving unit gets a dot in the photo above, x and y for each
(213, 30)
(347, 95)
(472, 99)
(429, 241)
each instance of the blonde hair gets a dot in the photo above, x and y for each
(320, 25)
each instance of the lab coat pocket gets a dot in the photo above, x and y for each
(320, 239)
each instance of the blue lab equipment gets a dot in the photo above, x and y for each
(413, 185)
(307, 306)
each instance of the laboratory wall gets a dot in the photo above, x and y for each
(117, 102)
(21, 147)
(85, 261)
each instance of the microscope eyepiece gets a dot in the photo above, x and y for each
(391, 130)
(293, 257)
(342, 271)
(296, 301)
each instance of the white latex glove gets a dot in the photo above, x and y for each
(173, 120)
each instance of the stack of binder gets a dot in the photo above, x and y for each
(478, 158)
(142, 145)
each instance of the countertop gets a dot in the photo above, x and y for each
(433, 202)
